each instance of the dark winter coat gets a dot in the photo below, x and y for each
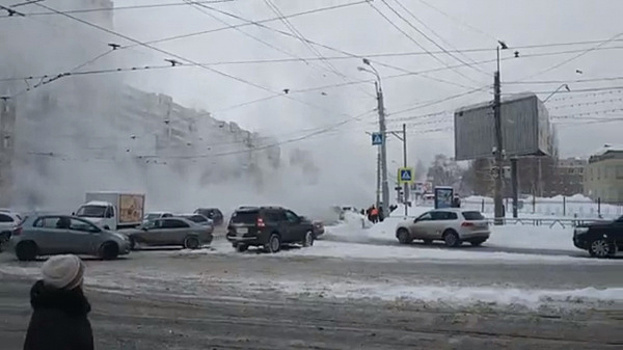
(59, 320)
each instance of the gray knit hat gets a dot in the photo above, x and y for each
(63, 272)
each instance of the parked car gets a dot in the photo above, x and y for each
(453, 226)
(156, 215)
(213, 214)
(8, 223)
(60, 234)
(199, 219)
(170, 231)
(268, 227)
(601, 239)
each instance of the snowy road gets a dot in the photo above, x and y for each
(171, 299)
(355, 288)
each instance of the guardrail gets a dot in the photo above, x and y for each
(551, 222)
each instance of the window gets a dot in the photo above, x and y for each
(244, 217)
(173, 223)
(5, 218)
(425, 217)
(196, 218)
(291, 217)
(110, 212)
(79, 225)
(443, 215)
(274, 216)
(473, 215)
(47, 222)
(92, 211)
(153, 224)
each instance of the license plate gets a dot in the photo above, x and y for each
(242, 230)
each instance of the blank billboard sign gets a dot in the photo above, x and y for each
(526, 129)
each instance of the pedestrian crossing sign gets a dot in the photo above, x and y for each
(377, 138)
(405, 175)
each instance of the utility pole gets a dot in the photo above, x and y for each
(378, 178)
(404, 155)
(382, 129)
(499, 153)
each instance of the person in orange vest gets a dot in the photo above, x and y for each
(374, 215)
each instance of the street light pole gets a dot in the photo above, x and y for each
(499, 152)
(383, 132)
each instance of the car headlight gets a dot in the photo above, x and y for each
(580, 230)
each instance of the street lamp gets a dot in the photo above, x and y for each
(555, 91)
(383, 131)
(499, 152)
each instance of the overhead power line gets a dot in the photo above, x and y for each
(117, 8)
(179, 57)
(475, 67)
(388, 20)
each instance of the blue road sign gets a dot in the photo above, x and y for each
(377, 138)
(405, 175)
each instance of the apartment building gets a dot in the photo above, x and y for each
(604, 175)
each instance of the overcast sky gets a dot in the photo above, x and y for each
(360, 30)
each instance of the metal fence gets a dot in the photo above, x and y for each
(551, 207)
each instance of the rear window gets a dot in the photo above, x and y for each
(196, 218)
(473, 215)
(244, 217)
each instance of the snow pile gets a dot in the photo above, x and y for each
(388, 249)
(461, 296)
(532, 237)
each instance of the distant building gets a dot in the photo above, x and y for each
(569, 178)
(604, 175)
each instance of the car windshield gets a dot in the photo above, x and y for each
(151, 216)
(92, 211)
(244, 217)
(473, 215)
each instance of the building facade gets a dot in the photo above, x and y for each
(604, 176)
(570, 176)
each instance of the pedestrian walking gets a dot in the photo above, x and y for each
(59, 319)
(374, 215)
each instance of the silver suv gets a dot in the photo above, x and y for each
(453, 226)
(61, 234)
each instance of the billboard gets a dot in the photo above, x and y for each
(526, 130)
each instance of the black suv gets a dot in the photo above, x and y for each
(601, 239)
(268, 227)
(213, 214)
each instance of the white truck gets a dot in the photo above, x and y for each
(113, 210)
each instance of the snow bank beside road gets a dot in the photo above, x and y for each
(461, 296)
(518, 237)
(438, 253)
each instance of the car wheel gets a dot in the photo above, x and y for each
(274, 243)
(109, 251)
(601, 248)
(451, 238)
(26, 251)
(427, 241)
(477, 242)
(241, 248)
(403, 236)
(308, 241)
(191, 242)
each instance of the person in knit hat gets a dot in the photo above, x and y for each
(60, 308)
